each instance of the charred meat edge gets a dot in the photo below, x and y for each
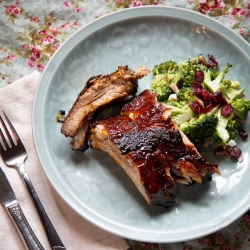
(99, 93)
(183, 169)
(133, 110)
(100, 139)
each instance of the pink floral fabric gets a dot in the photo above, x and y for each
(31, 32)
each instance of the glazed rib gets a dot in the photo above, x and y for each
(145, 110)
(151, 149)
(99, 92)
(136, 153)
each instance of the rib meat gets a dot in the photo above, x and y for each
(98, 93)
(152, 150)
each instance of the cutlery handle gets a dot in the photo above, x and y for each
(28, 236)
(53, 237)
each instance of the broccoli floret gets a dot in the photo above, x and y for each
(231, 127)
(232, 91)
(186, 94)
(175, 104)
(188, 69)
(218, 83)
(233, 94)
(201, 128)
(221, 126)
(180, 112)
(227, 83)
(165, 68)
(214, 72)
(182, 73)
(224, 131)
(215, 140)
(165, 84)
(241, 107)
(172, 80)
(160, 86)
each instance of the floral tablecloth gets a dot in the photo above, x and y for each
(31, 31)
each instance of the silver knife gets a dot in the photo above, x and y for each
(9, 201)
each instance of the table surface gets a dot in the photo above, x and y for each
(31, 31)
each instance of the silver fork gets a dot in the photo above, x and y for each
(14, 155)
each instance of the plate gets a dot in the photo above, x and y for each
(91, 183)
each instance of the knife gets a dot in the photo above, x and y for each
(9, 201)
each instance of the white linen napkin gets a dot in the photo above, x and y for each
(75, 232)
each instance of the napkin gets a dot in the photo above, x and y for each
(75, 232)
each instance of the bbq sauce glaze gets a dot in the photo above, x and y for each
(154, 145)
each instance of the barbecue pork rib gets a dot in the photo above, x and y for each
(151, 149)
(99, 92)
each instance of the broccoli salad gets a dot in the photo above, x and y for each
(206, 106)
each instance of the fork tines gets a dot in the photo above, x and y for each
(5, 133)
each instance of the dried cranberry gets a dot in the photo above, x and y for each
(196, 107)
(212, 63)
(243, 134)
(199, 76)
(205, 95)
(214, 100)
(208, 107)
(217, 98)
(196, 85)
(197, 92)
(226, 110)
(197, 88)
(235, 153)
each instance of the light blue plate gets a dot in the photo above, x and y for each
(91, 183)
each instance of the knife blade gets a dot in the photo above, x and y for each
(9, 201)
(6, 193)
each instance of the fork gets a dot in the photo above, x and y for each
(14, 154)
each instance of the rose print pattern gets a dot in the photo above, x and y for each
(118, 4)
(42, 36)
(44, 32)
(13, 11)
(74, 4)
(235, 14)
(40, 42)
(34, 30)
